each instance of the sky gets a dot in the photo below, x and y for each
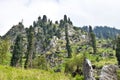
(81, 12)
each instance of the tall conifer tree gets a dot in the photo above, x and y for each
(16, 59)
(69, 51)
(30, 48)
(92, 39)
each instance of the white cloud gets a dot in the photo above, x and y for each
(81, 12)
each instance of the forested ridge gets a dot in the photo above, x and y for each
(105, 32)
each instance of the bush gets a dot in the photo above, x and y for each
(118, 74)
(97, 77)
(4, 50)
(78, 77)
(73, 64)
(40, 62)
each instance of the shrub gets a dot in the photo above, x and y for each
(4, 50)
(40, 62)
(73, 64)
(78, 77)
(118, 74)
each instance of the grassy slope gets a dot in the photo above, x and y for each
(9, 73)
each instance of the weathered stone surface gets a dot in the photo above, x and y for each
(14, 31)
(88, 70)
(53, 41)
(108, 72)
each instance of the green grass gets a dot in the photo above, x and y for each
(118, 74)
(9, 73)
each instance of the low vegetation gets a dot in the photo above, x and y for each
(10, 73)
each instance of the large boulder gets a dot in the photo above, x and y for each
(108, 72)
(88, 70)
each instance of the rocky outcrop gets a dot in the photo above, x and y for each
(14, 31)
(49, 38)
(108, 72)
(88, 70)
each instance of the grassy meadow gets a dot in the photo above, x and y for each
(9, 73)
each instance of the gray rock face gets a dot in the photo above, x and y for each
(14, 31)
(88, 70)
(53, 42)
(108, 72)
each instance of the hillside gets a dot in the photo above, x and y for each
(49, 38)
(58, 51)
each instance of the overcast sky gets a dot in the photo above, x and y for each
(81, 12)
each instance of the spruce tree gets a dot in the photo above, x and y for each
(44, 19)
(70, 22)
(65, 18)
(16, 59)
(93, 42)
(118, 50)
(30, 48)
(69, 51)
(92, 39)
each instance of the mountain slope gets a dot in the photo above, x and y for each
(49, 38)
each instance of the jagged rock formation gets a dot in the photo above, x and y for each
(14, 31)
(108, 72)
(49, 38)
(88, 70)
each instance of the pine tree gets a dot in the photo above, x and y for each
(65, 18)
(118, 50)
(39, 18)
(93, 42)
(61, 23)
(16, 59)
(56, 22)
(44, 18)
(30, 48)
(67, 41)
(70, 22)
(90, 29)
(92, 39)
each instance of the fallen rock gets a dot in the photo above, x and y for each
(108, 72)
